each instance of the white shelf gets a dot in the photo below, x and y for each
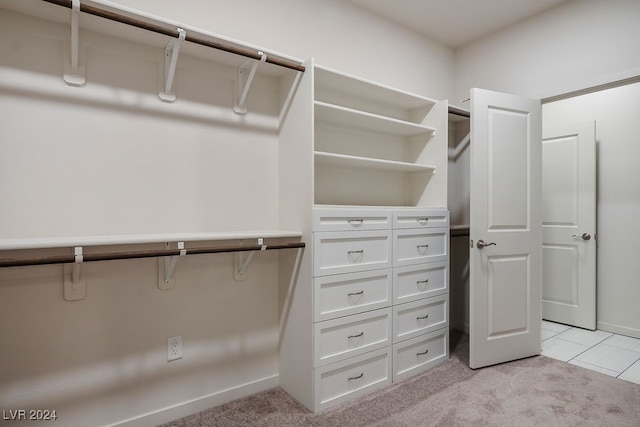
(335, 114)
(345, 160)
(354, 86)
(62, 242)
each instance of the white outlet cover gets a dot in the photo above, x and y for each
(174, 348)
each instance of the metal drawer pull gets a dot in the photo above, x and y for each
(358, 220)
(423, 353)
(422, 246)
(356, 336)
(351, 294)
(422, 219)
(357, 377)
(361, 251)
(422, 281)
(422, 317)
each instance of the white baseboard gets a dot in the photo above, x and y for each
(184, 409)
(616, 329)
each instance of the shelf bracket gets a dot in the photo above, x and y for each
(243, 87)
(167, 266)
(74, 74)
(171, 52)
(75, 285)
(241, 263)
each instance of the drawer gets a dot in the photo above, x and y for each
(418, 354)
(351, 251)
(420, 218)
(352, 293)
(349, 336)
(419, 317)
(344, 380)
(345, 219)
(413, 246)
(415, 282)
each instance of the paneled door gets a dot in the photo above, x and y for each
(569, 225)
(505, 228)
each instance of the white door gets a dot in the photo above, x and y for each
(505, 228)
(569, 225)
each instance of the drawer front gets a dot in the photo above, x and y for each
(418, 354)
(351, 251)
(340, 381)
(418, 246)
(343, 219)
(352, 293)
(419, 317)
(338, 339)
(422, 218)
(415, 282)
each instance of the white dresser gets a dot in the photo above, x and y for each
(380, 297)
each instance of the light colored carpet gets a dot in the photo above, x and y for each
(537, 391)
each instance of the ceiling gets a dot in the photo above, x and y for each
(456, 22)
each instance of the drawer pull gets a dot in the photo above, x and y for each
(351, 294)
(425, 246)
(422, 219)
(356, 220)
(361, 251)
(356, 377)
(356, 336)
(420, 282)
(422, 317)
(422, 353)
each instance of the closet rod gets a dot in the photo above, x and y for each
(220, 44)
(70, 259)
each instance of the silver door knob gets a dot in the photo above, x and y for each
(585, 236)
(481, 244)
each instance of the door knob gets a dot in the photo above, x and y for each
(585, 236)
(481, 244)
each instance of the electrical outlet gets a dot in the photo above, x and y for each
(174, 348)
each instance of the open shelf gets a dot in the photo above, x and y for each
(335, 114)
(345, 160)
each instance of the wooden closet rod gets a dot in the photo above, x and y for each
(70, 259)
(220, 44)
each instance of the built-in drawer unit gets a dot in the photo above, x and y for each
(345, 337)
(419, 281)
(418, 354)
(344, 294)
(413, 246)
(346, 219)
(414, 218)
(338, 252)
(419, 317)
(337, 382)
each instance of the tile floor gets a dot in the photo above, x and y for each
(611, 354)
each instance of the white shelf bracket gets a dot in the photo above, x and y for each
(243, 87)
(74, 73)
(171, 52)
(75, 285)
(240, 263)
(167, 266)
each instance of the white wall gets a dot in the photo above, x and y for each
(578, 44)
(616, 113)
(110, 158)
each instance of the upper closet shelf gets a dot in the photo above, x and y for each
(336, 114)
(61, 242)
(345, 160)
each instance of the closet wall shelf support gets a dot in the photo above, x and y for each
(241, 263)
(242, 85)
(170, 61)
(74, 74)
(75, 284)
(167, 266)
